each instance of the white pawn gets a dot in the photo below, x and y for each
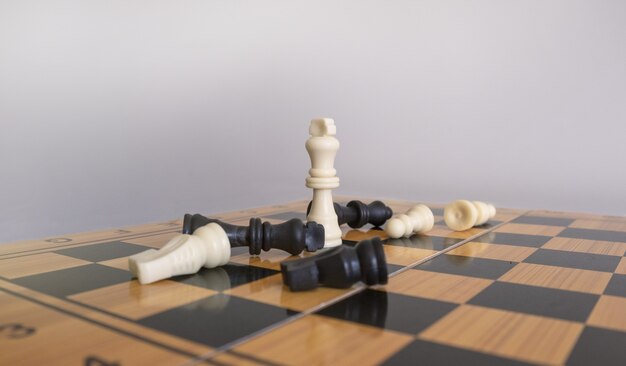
(322, 147)
(462, 214)
(185, 254)
(419, 219)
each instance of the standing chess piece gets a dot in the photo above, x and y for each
(417, 220)
(322, 147)
(462, 215)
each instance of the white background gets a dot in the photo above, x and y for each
(116, 113)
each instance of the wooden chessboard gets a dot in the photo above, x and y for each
(532, 287)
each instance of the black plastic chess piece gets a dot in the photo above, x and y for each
(357, 214)
(292, 236)
(338, 267)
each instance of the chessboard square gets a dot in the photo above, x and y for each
(609, 313)
(621, 267)
(71, 281)
(535, 241)
(603, 235)
(528, 229)
(405, 256)
(285, 216)
(119, 263)
(445, 232)
(561, 278)
(154, 241)
(133, 300)
(216, 320)
(389, 310)
(393, 268)
(436, 286)
(599, 347)
(493, 251)
(586, 246)
(559, 258)
(467, 266)
(270, 290)
(269, 260)
(317, 339)
(226, 277)
(567, 305)
(540, 220)
(504, 333)
(602, 224)
(104, 251)
(426, 242)
(617, 286)
(355, 235)
(429, 353)
(37, 263)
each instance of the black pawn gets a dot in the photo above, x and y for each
(340, 267)
(291, 236)
(357, 214)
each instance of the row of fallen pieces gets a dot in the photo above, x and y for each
(207, 243)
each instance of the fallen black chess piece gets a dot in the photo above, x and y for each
(357, 214)
(339, 267)
(292, 236)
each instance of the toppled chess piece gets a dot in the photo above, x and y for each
(417, 220)
(184, 254)
(292, 236)
(338, 267)
(357, 214)
(463, 215)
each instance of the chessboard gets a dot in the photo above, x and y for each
(528, 287)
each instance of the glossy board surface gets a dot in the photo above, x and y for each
(526, 288)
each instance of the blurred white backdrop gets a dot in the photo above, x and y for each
(115, 113)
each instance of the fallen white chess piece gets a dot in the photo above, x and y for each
(462, 215)
(184, 254)
(417, 220)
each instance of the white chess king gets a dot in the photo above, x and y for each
(322, 147)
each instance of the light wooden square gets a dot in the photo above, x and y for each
(437, 286)
(315, 340)
(599, 225)
(37, 263)
(561, 278)
(358, 235)
(135, 301)
(270, 290)
(493, 251)
(505, 333)
(270, 260)
(529, 229)
(404, 255)
(609, 312)
(621, 267)
(586, 246)
(444, 231)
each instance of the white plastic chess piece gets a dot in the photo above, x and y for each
(419, 219)
(322, 147)
(462, 215)
(184, 254)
